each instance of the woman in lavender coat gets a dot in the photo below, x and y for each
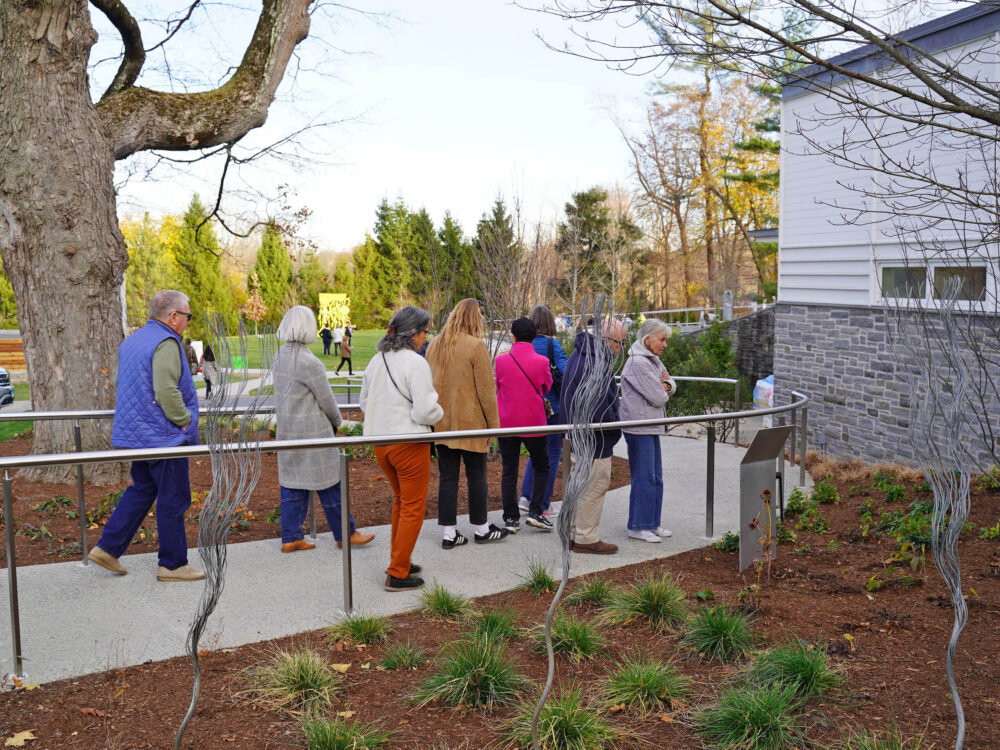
(646, 387)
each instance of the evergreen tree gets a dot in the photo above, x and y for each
(8, 309)
(393, 243)
(581, 239)
(197, 262)
(423, 258)
(274, 273)
(375, 292)
(149, 264)
(310, 280)
(458, 253)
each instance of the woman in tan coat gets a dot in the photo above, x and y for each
(463, 377)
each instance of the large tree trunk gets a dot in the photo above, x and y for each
(59, 233)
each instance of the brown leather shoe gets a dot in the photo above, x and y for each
(358, 539)
(597, 548)
(106, 560)
(298, 544)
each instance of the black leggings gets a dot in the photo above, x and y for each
(510, 456)
(348, 361)
(449, 462)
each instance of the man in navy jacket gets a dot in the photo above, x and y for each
(592, 357)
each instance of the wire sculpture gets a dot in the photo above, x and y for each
(583, 410)
(938, 372)
(234, 451)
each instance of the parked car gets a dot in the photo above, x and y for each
(6, 389)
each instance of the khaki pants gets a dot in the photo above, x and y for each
(586, 526)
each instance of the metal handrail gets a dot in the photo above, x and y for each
(9, 463)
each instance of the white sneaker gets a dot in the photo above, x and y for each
(551, 512)
(523, 503)
(645, 535)
(663, 532)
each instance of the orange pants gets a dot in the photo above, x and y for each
(407, 466)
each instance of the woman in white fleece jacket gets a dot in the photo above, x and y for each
(646, 387)
(398, 398)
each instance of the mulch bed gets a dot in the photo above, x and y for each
(888, 640)
(48, 527)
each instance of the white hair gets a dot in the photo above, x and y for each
(651, 327)
(298, 326)
(165, 302)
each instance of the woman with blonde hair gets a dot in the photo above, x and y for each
(463, 377)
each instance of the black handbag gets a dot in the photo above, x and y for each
(556, 375)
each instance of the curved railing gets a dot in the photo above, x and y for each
(79, 458)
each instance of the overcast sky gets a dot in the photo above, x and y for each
(449, 104)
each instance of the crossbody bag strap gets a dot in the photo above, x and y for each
(389, 373)
(533, 386)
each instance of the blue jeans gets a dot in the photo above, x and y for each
(295, 507)
(645, 501)
(166, 483)
(554, 445)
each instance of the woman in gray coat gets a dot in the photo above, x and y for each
(306, 408)
(646, 387)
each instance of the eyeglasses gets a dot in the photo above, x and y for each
(189, 315)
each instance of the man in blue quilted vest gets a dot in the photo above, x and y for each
(156, 407)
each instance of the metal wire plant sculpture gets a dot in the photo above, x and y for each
(579, 414)
(938, 371)
(233, 432)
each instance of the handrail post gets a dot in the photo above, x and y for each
(802, 448)
(792, 445)
(710, 484)
(345, 531)
(312, 514)
(736, 401)
(15, 614)
(781, 456)
(80, 499)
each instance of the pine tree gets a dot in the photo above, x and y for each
(197, 261)
(149, 264)
(375, 294)
(393, 242)
(274, 273)
(310, 280)
(458, 252)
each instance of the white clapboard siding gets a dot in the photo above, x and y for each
(823, 258)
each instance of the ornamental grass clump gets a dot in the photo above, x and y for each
(359, 628)
(472, 672)
(495, 622)
(657, 601)
(571, 636)
(402, 656)
(539, 579)
(891, 739)
(593, 591)
(643, 685)
(437, 601)
(322, 733)
(720, 634)
(802, 666)
(564, 723)
(759, 718)
(293, 681)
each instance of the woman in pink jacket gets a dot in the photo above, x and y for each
(522, 377)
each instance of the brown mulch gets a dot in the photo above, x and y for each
(48, 527)
(888, 642)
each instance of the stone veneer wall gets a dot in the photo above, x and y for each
(841, 358)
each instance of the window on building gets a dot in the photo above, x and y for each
(904, 282)
(966, 284)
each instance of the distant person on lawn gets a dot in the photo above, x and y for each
(305, 408)
(156, 407)
(398, 398)
(327, 337)
(209, 369)
(338, 339)
(345, 356)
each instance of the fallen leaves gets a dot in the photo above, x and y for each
(94, 712)
(346, 714)
(20, 738)
(342, 668)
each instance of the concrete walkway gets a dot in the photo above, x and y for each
(78, 619)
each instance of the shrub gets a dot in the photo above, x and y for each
(643, 685)
(730, 542)
(784, 534)
(883, 479)
(366, 629)
(595, 591)
(539, 580)
(563, 724)
(575, 638)
(495, 623)
(293, 680)
(825, 492)
(336, 734)
(658, 601)
(797, 503)
(762, 718)
(720, 633)
(799, 665)
(472, 672)
(437, 601)
(403, 656)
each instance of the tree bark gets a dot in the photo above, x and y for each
(59, 235)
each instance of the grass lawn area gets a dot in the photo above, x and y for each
(364, 347)
(13, 429)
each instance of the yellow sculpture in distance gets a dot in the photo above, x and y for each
(334, 310)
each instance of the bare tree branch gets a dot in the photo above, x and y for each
(135, 55)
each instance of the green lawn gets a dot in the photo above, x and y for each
(364, 347)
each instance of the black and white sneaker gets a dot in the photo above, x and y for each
(457, 541)
(495, 534)
(538, 522)
(512, 525)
